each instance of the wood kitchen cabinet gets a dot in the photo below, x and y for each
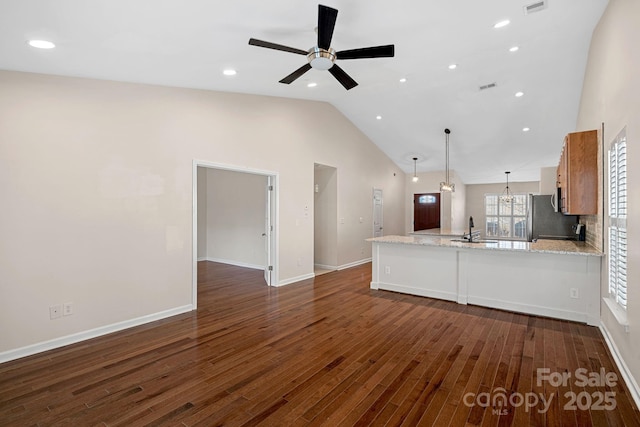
(578, 174)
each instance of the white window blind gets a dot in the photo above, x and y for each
(618, 220)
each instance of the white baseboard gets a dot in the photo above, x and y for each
(296, 279)
(429, 293)
(536, 310)
(631, 383)
(233, 262)
(91, 333)
(354, 264)
(325, 267)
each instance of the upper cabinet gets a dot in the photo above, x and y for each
(578, 174)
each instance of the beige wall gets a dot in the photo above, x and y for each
(97, 193)
(475, 198)
(610, 94)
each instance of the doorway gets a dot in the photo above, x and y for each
(325, 219)
(234, 219)
(426, 211)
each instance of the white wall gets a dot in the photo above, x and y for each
(236, 215)
(476, 193)
(202, 213)
(458, 204)
(548, 180)
(97, 193)
(452, 206)
(610, 94)
(325, 210)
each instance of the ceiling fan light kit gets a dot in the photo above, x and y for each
(321, 59)
(322, 56)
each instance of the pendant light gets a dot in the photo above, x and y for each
(415, 175)
(447, 185)
(507, 196)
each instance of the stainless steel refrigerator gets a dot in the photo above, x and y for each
(544, 222)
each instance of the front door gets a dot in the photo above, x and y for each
(426, 211)
(377, 212)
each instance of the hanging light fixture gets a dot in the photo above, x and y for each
(415, 175)
(447, 185)
(507, 196)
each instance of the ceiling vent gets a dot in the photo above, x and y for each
(489, 86)
(535, 7)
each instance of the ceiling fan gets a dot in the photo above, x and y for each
(322, 56)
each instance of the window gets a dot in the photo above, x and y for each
(618, 220)
(507, 220)
(427, 199)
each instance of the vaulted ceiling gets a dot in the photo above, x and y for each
(190, 44)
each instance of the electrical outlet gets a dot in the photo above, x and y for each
(573, 293)
(387, 270)
(55, 311)
(67, 309)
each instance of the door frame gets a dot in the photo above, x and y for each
(272, 203)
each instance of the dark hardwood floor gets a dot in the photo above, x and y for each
(327, 351)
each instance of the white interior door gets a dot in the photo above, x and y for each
(268, 232)
(377, 213)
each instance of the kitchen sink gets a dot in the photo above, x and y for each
(474, 241)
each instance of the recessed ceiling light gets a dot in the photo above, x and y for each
(229, 72)
(403, 80)
(378, 117)
(312, 84)
(525, 129)
(502, 24)
(453, 66)
(519, 94)
(41, 44)
(514, 49)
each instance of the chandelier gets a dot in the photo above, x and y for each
(507, 195)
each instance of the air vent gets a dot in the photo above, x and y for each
(535, 7)
(489, 86)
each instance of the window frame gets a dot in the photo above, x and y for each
(617, 284)
(511, 216)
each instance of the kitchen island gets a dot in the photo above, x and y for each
(552, 278)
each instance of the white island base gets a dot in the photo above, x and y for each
(559, 284)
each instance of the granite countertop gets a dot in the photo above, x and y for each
(565, 247)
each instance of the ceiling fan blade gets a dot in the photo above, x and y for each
(326, 23)
(269, 45)
(342, 77)
(297, 73)
(367, 52)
